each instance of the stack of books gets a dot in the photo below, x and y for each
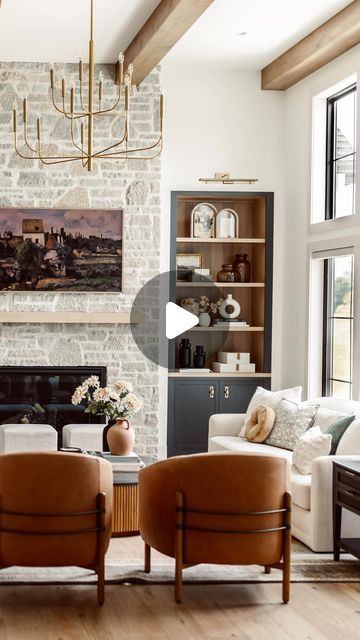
(130, 463)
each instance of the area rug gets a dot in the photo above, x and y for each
(305, 567)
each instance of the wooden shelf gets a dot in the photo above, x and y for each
(231, 329)
(222, 240)
(229, 285)
(212, 374)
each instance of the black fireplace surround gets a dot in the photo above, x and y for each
(23, 388)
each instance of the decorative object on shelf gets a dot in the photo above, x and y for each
(199, 357)
(81, 137)
(203, 220)
(204, 316)
(242, 267)
(201, 275)
(186, 263)
(220, 367)
(116, 403)
(227, 224)
(229, 308)
(61, 250)
(185, 354)
(227, 273)
(225, 178)
(192, 305)
(232, 357)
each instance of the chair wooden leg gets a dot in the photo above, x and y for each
(287, 550)
(147, 560)
(101, 549)
(267, 569)
(179, 546)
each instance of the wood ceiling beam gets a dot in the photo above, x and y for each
(330, 40)
(170, 20)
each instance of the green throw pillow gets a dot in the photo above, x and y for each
(337, 430)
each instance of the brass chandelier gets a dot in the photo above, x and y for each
(73, 107)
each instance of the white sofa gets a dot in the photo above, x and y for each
(311, 494)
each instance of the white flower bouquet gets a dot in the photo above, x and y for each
(113, 402)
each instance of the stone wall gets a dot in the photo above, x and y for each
(135, 188)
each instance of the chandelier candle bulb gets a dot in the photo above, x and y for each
(25, 109)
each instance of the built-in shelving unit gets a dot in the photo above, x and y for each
(194, 396)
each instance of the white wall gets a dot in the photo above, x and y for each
(220, 120)
(298, 236)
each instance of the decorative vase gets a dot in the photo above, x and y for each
(121, 438)
(242, 267)
(199, 357)
(226, 274)
(191, 305)
(204, 319)
(185, 354)
(230, 308)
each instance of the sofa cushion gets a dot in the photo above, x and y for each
(337, 431)
(350, 442)
(260, 424)
(270, 399)
(310, 446)
(291, 422)
(235, 443)
(300, 489)
(326, 417)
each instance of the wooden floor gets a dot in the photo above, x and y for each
(219, 612)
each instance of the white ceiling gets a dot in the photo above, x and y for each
(271, 26)
(57, 30)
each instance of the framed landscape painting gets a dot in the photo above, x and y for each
(61, 250)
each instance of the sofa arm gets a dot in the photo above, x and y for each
(226, 424)
(322, 499)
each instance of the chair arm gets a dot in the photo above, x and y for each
(226, 424)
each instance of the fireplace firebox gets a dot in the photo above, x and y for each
(44, 394)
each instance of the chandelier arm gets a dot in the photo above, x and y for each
(73, 138)
(138, 149)
(21, 155)
(81, 97)
(112, 146)
(114, 157)
(26, 139)
(100, 112)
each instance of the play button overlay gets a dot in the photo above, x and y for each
(178, 320)
(160, 318)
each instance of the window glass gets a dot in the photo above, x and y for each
(338, 326)
(341, 154)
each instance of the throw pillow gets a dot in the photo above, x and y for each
(349, 444)
(337, 430)
(291, 422)
(311, 445)
(271, 399)
(325, 418)
(260, 424)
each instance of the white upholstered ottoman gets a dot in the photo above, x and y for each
(88, 437)
(27, 437)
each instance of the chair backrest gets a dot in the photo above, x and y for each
(222, 493)
(49, 508)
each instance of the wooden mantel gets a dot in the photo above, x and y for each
(71, 317)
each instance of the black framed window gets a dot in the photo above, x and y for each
(341, 154)
(338, 326)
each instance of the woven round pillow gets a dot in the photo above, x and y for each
(260, 424)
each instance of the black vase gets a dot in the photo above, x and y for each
(199, 357)
(106, 429)
(185, 354)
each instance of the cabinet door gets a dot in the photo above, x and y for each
(191, 403)
(235, 394)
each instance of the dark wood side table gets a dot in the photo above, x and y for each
(346, 495)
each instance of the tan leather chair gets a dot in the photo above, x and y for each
(55, 510)
(217, 508)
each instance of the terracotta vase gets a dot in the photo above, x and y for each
(121, 438)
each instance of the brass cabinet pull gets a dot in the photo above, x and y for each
(226, 392)
(211, 392)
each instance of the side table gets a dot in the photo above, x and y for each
(346, 495)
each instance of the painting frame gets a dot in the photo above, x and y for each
(191, 261)
(105, 271)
